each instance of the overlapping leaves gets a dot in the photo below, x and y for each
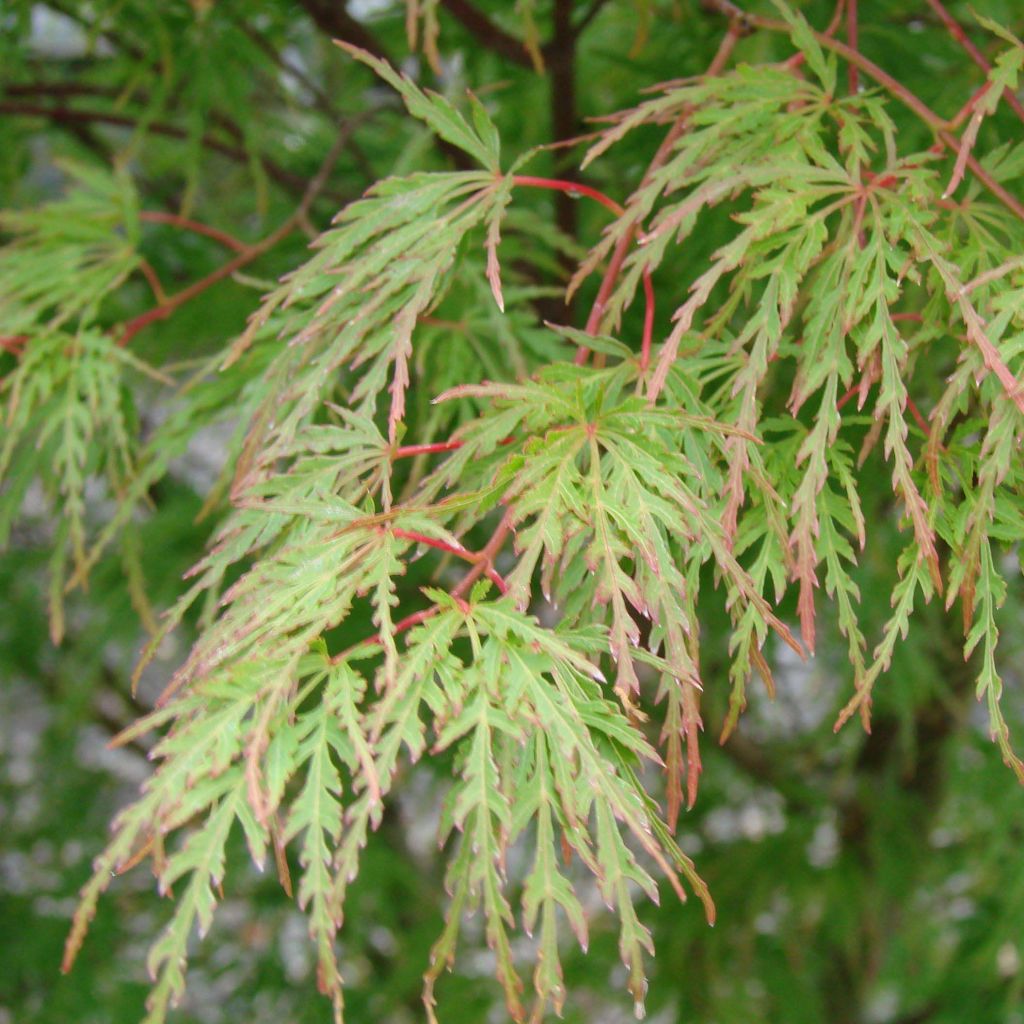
(627, 488)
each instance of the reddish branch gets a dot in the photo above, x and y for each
(484, 559)
(410, 451)
(399, 627)
(574, 188)
(851, 39)
(570, 188)
(738, 26)
(968, 108)
(146, 268)
(957, 32)
(164, 309)
(485, 556)
(248, 253)
(196, 227)
(460, 552)
(911, 405)
(483, 565)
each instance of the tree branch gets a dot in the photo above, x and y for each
(163, 310)
(187, 224)
(492, 36)
(956, 30)
(332, 18)
(65, 116)
(592, 12)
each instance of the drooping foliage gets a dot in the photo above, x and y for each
(494, 500)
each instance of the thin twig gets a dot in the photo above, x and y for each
(994, 274)
(147, 271)
(486, 556)
(493, 37)
(64, 115)
(164, 309)
(737, 27)
(484, 565)
(957, 32)
(569, 188)
(399, 627)
(196, 227)
(608, 282)
(459, 551)
(334, 21)
(251, 252)
(591, 13)
(560, 57)
(410, 451)
(911, 405)
(851, 39)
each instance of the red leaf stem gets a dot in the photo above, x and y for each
(399, 627)
(911, 405)
(611, 275)
(570, 188)
(410, 451)
(484, 565)
(459, 551)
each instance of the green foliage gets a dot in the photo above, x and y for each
(454, 537)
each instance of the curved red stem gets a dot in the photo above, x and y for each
(570, 188)
(195, 226)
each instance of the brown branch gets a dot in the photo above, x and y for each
(196, 227)
(489, 552)
(251, 252)
(592, 12)
(331, 17)
(320, 98)
(60, 90)
(64, 115)
(488, 34)
(851, 38)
